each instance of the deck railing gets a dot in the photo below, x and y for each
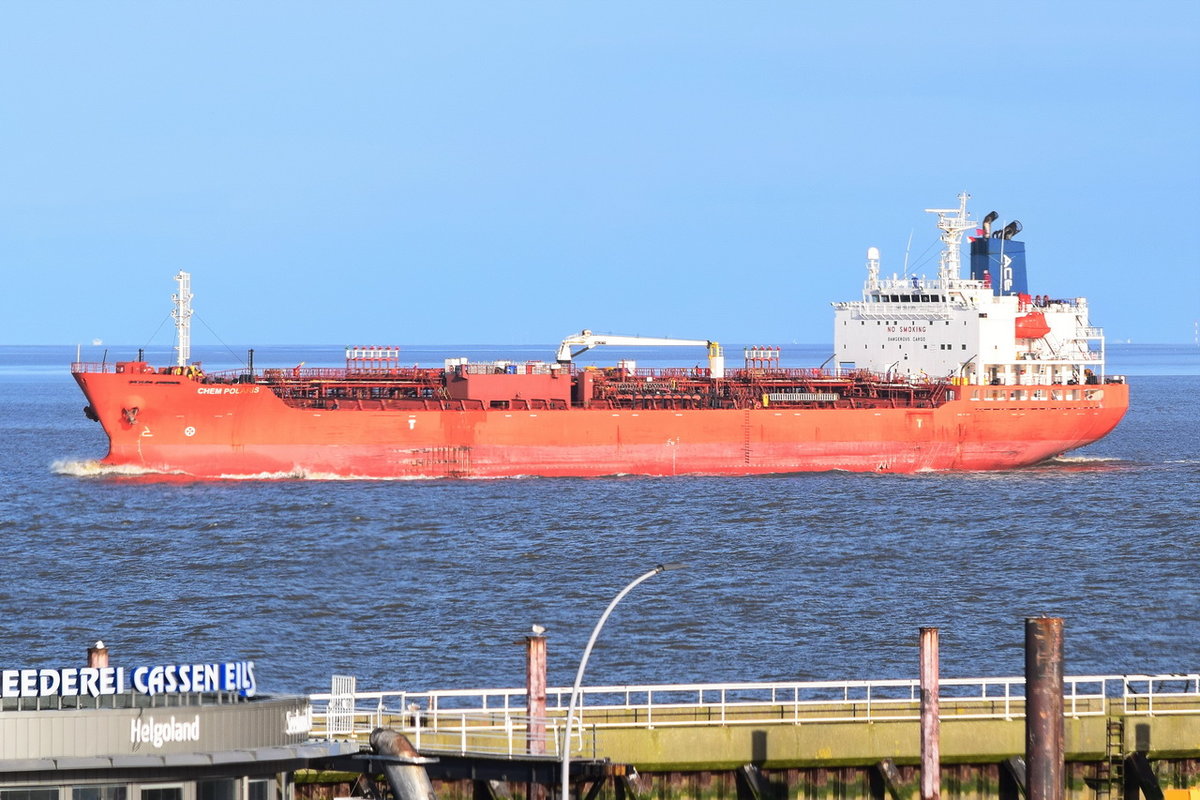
(496, 720)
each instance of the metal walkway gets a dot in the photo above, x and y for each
(496, 722)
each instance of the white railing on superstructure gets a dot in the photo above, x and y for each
(913, 311)
(496, 720)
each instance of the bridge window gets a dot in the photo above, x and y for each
(223, 789)
(105, 792)
(162, 792)
(32, 793)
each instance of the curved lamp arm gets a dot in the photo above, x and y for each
(587, 651)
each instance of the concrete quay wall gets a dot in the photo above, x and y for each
(983, 781)
(708, 747)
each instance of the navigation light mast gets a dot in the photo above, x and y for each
(952, 228)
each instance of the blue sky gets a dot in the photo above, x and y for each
(513, 172)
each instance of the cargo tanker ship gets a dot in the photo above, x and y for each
(940, 373)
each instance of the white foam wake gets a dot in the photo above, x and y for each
(1084, 459)
(96, 469)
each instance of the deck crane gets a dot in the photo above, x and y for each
(586, 340)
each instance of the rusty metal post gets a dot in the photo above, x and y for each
(535, 693)
(1044, 727)
(931, 760)
(97, 655)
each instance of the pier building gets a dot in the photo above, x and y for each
(152, 732)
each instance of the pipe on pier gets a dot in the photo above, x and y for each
(408, 781)
(1044, 727)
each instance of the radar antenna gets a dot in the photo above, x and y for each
(183, 318)
(872, 268)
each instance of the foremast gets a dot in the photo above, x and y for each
(182, 313)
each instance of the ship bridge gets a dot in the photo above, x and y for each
(987, 328)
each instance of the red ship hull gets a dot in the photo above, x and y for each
(180, 425)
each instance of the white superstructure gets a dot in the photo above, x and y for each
(965, 328)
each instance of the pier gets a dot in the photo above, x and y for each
(818, 739)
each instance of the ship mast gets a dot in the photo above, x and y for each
(183, 318)
(952, 228)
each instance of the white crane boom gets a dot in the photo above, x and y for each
(586, 340)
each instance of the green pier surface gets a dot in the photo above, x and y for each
(788, 744)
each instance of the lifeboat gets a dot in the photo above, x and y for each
(1032, 326)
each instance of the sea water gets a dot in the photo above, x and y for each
(423, 585)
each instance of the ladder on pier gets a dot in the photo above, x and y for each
(1110, 784)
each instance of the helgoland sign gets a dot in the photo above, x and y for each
(229, 676)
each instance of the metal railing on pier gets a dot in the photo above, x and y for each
(496, 720)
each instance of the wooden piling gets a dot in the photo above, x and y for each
(97, 656)
(535, 692)
(931, 765)
(1044, 726)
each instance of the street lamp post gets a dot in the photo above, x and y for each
(587, 651)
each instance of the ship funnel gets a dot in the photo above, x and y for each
(987, 222)
(1012, 229)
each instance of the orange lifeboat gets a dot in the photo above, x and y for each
(1032, 326)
